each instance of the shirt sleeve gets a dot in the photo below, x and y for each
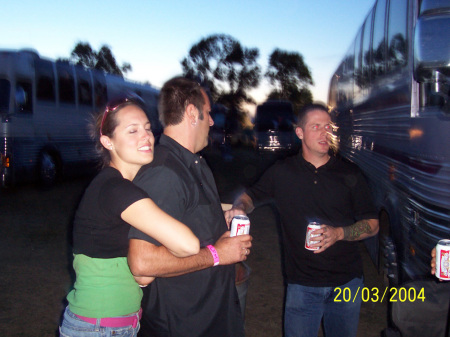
(264, 189)
(118, 194)
(167, 190)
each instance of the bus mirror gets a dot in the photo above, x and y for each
(431, 48)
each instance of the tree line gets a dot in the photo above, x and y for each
(229, 69)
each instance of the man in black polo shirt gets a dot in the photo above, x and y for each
(316, 186)
(193, 296)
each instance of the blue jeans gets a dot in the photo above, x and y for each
(72, 326)
(306, 306)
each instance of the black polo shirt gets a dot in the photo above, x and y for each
(335, 194)
(205, 302)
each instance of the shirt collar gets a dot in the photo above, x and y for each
(187, 156)
(308, 165)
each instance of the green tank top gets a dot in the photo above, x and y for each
(103, 288)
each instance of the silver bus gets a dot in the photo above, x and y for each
(390, 100)
(45, 107)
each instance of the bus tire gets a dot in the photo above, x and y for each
(49, 168)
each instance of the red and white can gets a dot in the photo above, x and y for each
(443, 260)
(240, 224)
(312, 226)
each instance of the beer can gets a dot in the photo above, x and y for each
(312, 226)
(240, 224)
(443, 260)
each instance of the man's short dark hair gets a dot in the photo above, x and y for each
(301, 118)
(176, 94)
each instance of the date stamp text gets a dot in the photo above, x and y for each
(379, 295)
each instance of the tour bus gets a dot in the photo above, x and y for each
(274, 127)
(389, 98)
(45, 108)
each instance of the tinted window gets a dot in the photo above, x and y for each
(45, 81)
(24, 102)
(84, 87)
(346, 82)
(365, 57)
(275, 116)
(5, 88)
(66, 84)
(378, 44)
(100, 95)
(397, 29)
(434, 5)
(357, 67)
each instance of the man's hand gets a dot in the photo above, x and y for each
(233, 249)
(231, 213)
(433, 261)
(327, 237)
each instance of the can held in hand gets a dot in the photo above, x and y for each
(240, 225)
(312, 226)
(443, 260)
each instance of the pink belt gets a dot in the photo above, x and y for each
(115, 322)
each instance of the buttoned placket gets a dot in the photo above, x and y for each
(209, 190)
(198, 169)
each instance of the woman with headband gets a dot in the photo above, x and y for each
(106, 297)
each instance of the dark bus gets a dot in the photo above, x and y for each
(390, 100)
(274, 127)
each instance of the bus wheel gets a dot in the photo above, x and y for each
(48, 169)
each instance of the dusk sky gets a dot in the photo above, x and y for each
(154, 36)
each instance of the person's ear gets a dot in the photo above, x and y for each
(299, 132)
(192, 114)
(106, 142)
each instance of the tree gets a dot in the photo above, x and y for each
(226, 67)
(290, 76)
(107, 62)
(83, 55)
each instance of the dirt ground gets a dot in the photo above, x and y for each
(36, 274)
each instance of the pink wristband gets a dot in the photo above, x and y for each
(214, 254)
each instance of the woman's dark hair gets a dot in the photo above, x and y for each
(176, 94)
(105, 123)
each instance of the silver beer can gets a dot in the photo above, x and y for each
(312, 226)
(443, 260)
(240, 224)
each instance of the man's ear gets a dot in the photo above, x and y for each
(106, 142)
(192, 114)
(299, 132)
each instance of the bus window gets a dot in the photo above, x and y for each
(45, 81)
(378, 42)
(23, 97)
(66, 84)
(84, 87)
(99, 90)
(357, 67)
(346, 82)
(365, 59)
(397, 28)
(5, 87)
